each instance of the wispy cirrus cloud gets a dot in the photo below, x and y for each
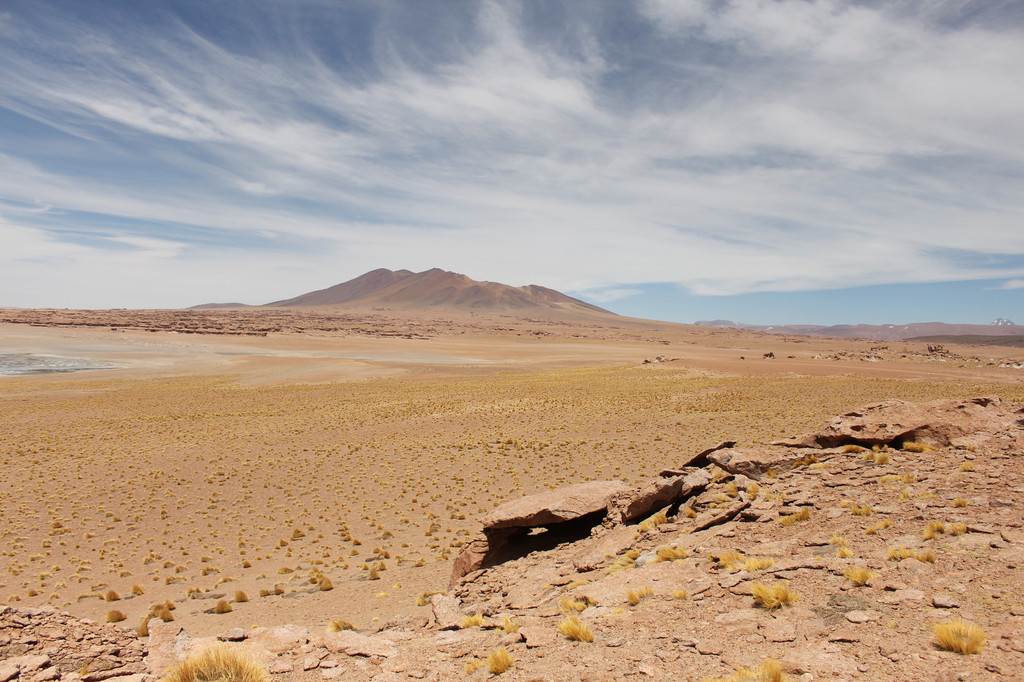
(727, 147)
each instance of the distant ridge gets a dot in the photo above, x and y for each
(881, 332)
(441, 290)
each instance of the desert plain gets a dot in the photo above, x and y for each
(309, 467)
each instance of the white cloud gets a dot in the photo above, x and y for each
(1011, 284)
(842, 145)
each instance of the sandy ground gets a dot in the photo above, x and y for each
(208, 465)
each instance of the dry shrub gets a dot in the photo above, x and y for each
(138, 590)
(853, 448)
(218, 664)
(575, 629)
(900, 553)
(668, 553)
(957, 528)
(653, 521)
(680, 594)
(339, 624)
(859, 575)
(960, 636)
(325, 584)
(634, 597)
(627, 560)
(499, 660)
(758, 563)
(960, 502)
(769, 671)
(476, 620)
(509, 625)
(727, 559)
(570, 605)
(911, 446)
(771, 597)
(424, 597)
(222, 607)
(241, 597)
(844, 553)
(115, 616)
(111, 595)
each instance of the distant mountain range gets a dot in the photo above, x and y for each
(883, 332)
(436, 290)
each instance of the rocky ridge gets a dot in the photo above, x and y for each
(925, 498)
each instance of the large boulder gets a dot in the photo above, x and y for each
(654, 494)
(554, 506)
(549, 508)
(938, 423)
(755, 462)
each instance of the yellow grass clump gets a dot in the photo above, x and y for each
(222, 607)
(473, 664)
(771, 597)
(768, 671)
(758, 563)
(680, 594)
(476, 620)
(241, 597)
(957, 528)
(339, 624)
(911, 446)
(960, 502)
(844, 553)
(114, 616)
(934, 529)
(853, 449)
(859, 575)
(960, 636)
(499, 660)
(218, 664)
(668, 553)
(423, 599)
(621, 563)
(575, 629)
(509, 625)
(790, 519)
(727, 559)
(570, 605)
(634, 597)
(652, 522)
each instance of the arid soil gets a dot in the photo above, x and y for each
(212, 464)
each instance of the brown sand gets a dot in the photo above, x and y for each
(218, 463)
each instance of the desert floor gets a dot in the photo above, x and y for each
(208, 466)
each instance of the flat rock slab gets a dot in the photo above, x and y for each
(555, 506)
(354, 644)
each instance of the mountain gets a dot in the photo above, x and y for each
(1003, 322)
(441, 290)
(880, 332)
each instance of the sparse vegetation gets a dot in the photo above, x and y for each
(771, 597)
(499, 660)
(339, 624)
(960, 636)
(769, 671)
(859, 575)
(474, 621)
(575, 629)
(218, 664)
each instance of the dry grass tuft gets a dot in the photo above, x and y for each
(727, 559)
(859, 575)
(576, 630)
(758, 563)
(900, 553)
(339, 624)
(241, 597)
(960, 636)
(934, 529)
(570, 605)
(627, 560)
(222, 607)
(423, 599)
(790, 519)
(967, 466)
(499, 660)
(473, 664)
(325, 584)
(769, 671)
(771, 597)
(111, 595)
(669, 553)
(680, 594)
(634, 597)
(652, 522)
(844, 553)
(960, 502)
(911, 446)
(509, 625)
(218, 664)
(114, 616)
(853, 449)
(474, 621)
(957, 528)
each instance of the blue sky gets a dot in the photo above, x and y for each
(800, 161)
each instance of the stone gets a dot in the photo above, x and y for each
(280, 639)
(310, 662)
(8, 671)
(510, 639)
(536, 636)
(354, 644)
(166, 646)
(555, 506)
(280, 666)
(447, 612)
(944, 601)
(654, 494)
(862, 616)
(595, 554)
(233, 635)
(754, 462)
(938, 423)
(779, 631)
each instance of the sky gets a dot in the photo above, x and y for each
(795, 161)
